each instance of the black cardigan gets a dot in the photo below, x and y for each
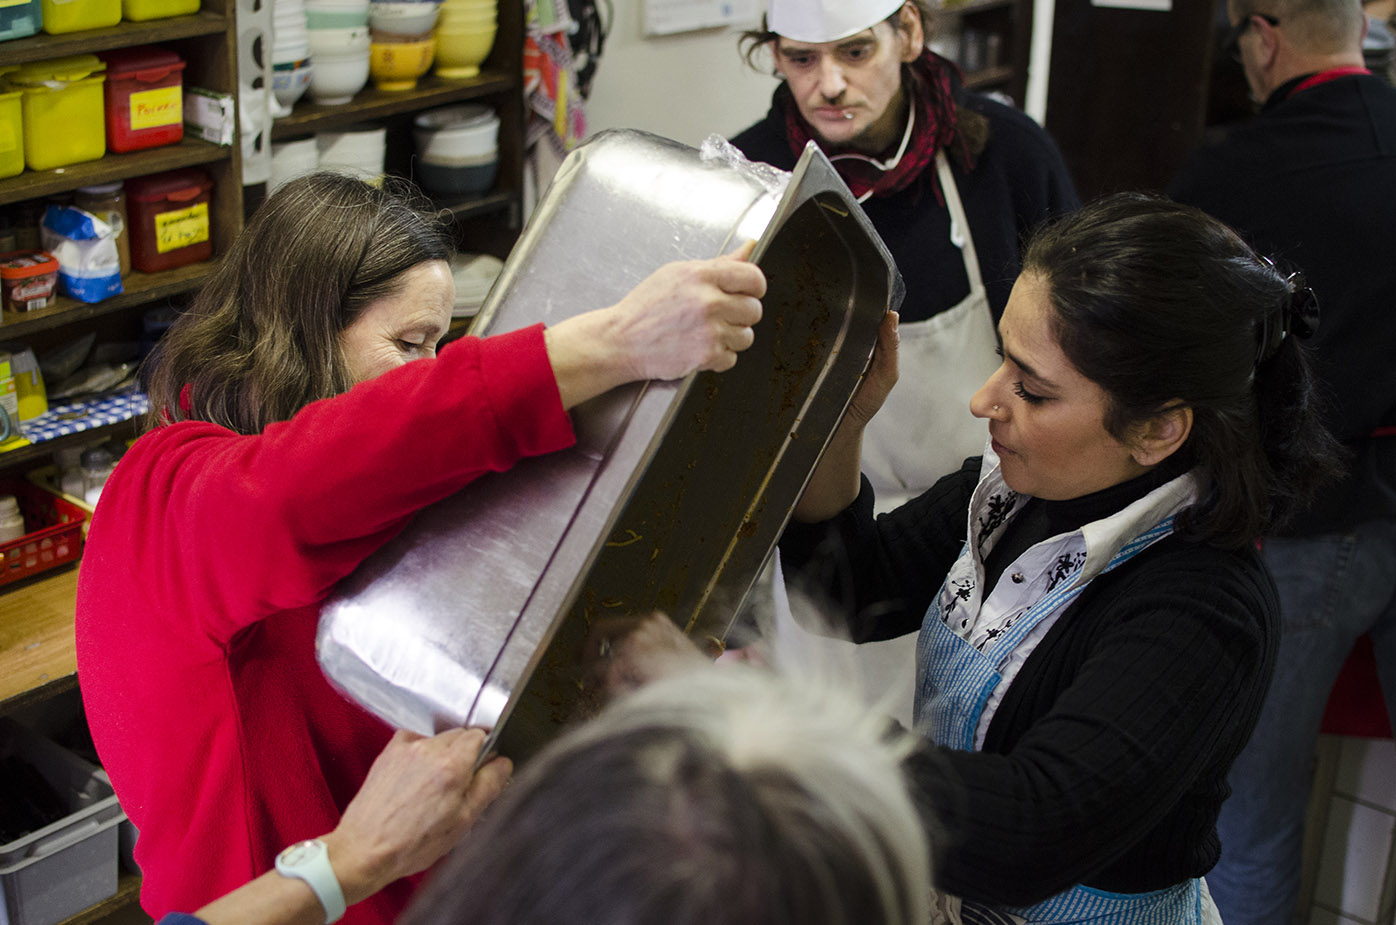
(1018, 180)
(1106, 762)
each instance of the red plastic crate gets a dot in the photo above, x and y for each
(57, 540)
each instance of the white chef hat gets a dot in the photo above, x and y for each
(826, 20)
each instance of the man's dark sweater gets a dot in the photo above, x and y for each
(1311, 182)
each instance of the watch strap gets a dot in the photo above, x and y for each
(310, 861)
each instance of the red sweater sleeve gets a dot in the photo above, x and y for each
(247, 526)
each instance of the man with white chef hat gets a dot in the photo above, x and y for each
(952, 181)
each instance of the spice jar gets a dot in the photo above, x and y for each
(107, 201)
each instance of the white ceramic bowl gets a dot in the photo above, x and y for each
(361, 147)
(453, 132)
(290, 84)
(338, 41)
(336, 78)
(412, 17)
(291, 159)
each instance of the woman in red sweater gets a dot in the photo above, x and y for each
(294, 436)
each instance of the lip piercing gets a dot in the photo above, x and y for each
(848, 115)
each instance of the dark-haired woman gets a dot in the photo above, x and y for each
(295, 434)
(1096, 627)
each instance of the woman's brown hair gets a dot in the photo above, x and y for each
(261, 339)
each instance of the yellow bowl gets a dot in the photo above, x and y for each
(397, 65)
(460, 52)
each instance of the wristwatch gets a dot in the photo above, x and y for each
(310, 861)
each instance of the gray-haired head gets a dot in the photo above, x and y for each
(726, 796)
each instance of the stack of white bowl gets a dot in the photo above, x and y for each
(290, 56)
(403, 45)
(474, 275)
(457, 149)
(359, 151)
(464, 36)
(291, 159)
(339, 42)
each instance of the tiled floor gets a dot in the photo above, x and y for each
(1355, 882)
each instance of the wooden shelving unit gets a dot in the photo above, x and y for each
(993, 42)
(37, 658)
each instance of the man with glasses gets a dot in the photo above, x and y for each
(1313, 177)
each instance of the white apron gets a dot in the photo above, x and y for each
(924, 429)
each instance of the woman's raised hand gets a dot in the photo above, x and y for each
(686, 316)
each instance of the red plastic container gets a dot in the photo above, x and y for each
(54, 537)
(144, 97)
(169, 219)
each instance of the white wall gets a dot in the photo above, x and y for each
(684, 86)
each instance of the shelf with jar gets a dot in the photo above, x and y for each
(989, 40)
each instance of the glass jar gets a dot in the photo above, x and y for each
(108, 202)
(97, 465)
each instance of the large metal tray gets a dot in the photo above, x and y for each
(676, 492)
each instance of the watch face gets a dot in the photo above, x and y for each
(300, 852)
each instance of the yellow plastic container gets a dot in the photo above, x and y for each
(63, 111)
(11, 128)
(140, 10)
(77, 15)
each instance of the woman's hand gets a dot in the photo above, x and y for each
(835, 482)
(421, 795)
(881, 375)
(625, 653)
(686, 316)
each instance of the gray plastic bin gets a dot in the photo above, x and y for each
(63, 868)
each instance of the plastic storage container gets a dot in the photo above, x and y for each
(11, 130)
(138, 10)
(27, 279)
(55, 537)
(78, 15)
(68, 865)
(18, 20)
(144, 98)
(170, 222)
(62, 110)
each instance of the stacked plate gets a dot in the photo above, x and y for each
(291, 159)
(457, 149)
(359, 151)
(475, 275)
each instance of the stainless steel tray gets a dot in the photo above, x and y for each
(676, 492)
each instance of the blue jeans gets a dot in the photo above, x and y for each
(1333, 588)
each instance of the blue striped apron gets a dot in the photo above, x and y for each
(954, 681)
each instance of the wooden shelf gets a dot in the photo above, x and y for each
(33, 184)
(37, 656)
(487, 204)
(372, 103)
(43, 47)
(128, 892)
(989, 77)
(40, 453)
(137, 289)
(973, 6)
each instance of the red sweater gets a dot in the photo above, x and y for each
(206, 563)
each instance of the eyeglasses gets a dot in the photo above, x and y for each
(1231, 42)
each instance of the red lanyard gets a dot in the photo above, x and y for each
(1322, 77)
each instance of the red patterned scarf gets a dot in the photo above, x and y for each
(933, 129)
